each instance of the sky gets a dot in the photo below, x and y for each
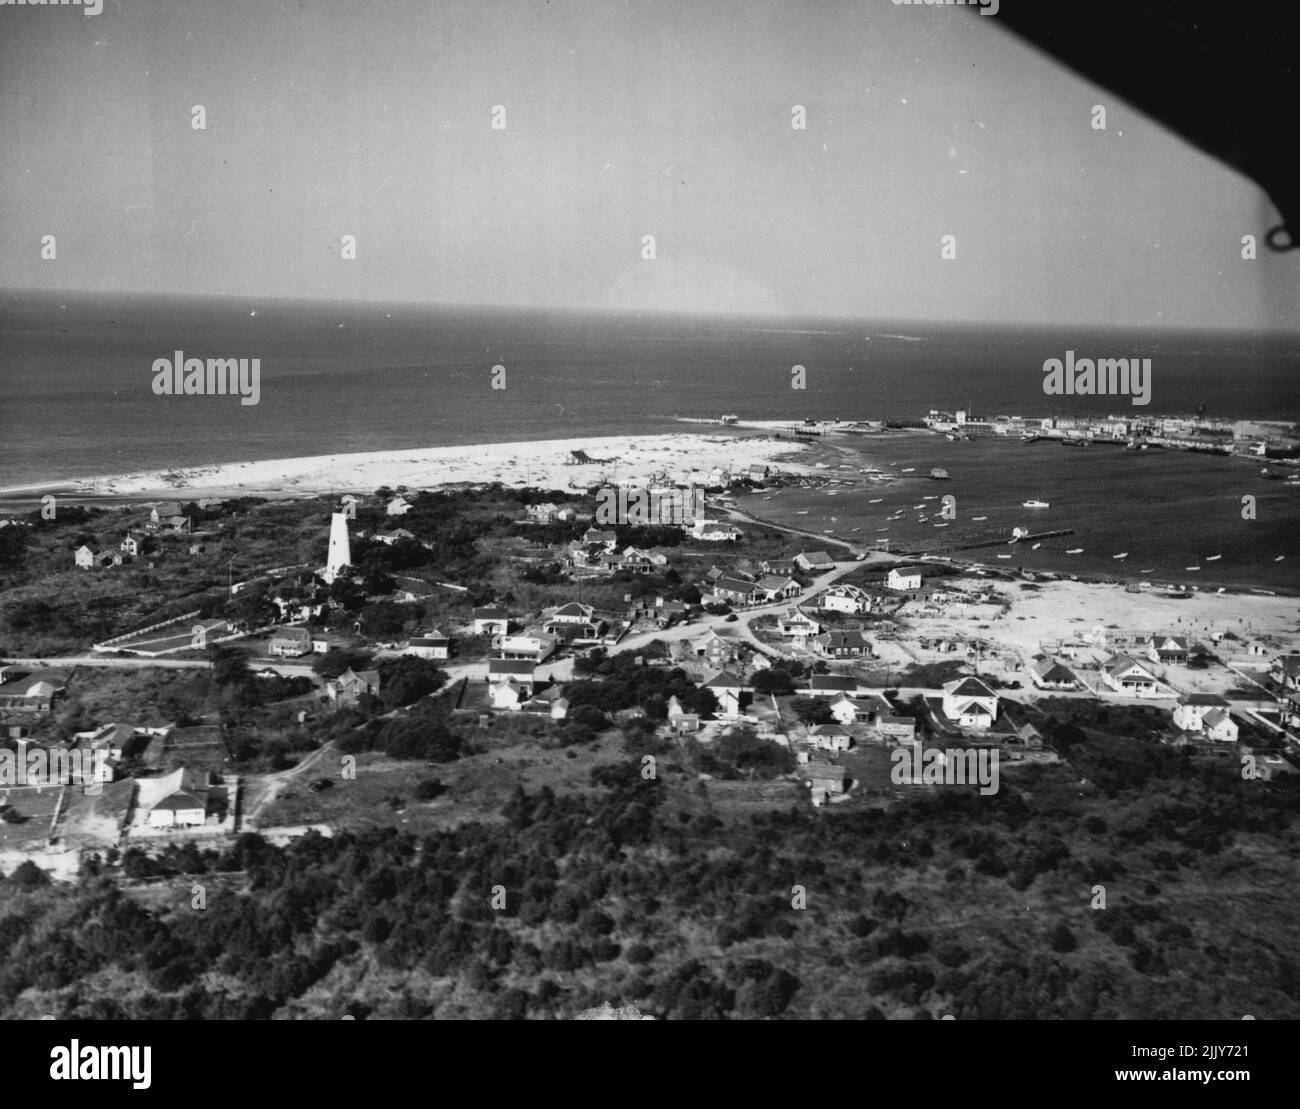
(328, 118)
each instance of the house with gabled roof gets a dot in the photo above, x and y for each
(33, 691)
(845, 598)
(777, 587)
(398, 506)
(814, 561)
(572, 613)
(1192, 708)
(726, 687)
(289, 642)
(1285, 670)
(679, 720)
(904, 579)
(784, 567)
(738, 591)
(1219, 725)
(711, 531)
(185, 802)
(823, 779)
(843, 644)
(431, 645)
(831, 737)
(1171, 650)
(899, 728)
(1125, 674)
(969, 703)
(509, 695)
(490, 620)
(1050, 674)
(848, 709)
(83, 558)
(349, 686)
(797, 625)
(606, 538)
(830, 685)
(520, 671)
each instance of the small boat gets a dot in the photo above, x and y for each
(1213, 558)
(828, 531)
(876, 500)
(855, 529)
(1191, 567)
(878, 530)
(1035, 546)
(1075, 550)
(909, 469)
(932, 497)
(1222, 590)
(1279, 558)
(1146, 571)
(939, 474)
(1264, 592)
(802, 512)
(1004, 556)
(1123, 554)
(943, 525)
(977, 519)
(1035, 504)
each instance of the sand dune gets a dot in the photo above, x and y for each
(541, 464)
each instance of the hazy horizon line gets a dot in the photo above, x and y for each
(650, 314)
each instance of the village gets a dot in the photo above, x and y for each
(775, 672)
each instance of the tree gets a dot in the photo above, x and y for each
(337, 659)
(429, 788)
(812, 710)
(28, 876)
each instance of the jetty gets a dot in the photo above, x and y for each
(987, 540)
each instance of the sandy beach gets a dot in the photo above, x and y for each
(543, 464)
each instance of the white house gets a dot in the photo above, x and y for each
(430, 645)
(906, 579)
(1220, 726)
(814, 561)
(1050, 674)
(84, 558)
(289, 643)
(849, 710)
(509, 695)
(536, 648)
(778, 587)
(726, 688)
(398, 506)
(1190, 712)
(518, 671)
(491, 621)
(831, 737)
(969, 703)
(846, 598)
(185, 798)
(572, 613)
(1125, 674)
(795, 625)
(132, 546)
(713, 532)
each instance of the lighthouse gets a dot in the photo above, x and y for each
(340, 552)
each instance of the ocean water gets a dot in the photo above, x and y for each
(76, 400)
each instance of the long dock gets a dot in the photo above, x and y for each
(987, 541)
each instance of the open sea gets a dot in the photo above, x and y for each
(76, 400)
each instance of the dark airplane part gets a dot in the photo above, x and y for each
(1219, 74)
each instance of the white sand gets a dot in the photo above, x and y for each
(541, 464)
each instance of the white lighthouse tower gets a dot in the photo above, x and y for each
(340, 552)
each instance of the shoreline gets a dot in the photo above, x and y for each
(541, 464)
